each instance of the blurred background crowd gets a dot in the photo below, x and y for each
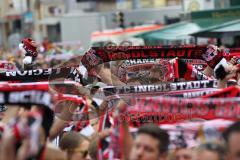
(66, 29)
(90, 23)
(73, 26)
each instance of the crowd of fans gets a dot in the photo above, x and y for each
(32, 132)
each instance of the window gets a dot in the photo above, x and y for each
(78, 1)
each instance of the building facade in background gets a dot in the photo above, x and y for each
(112, 5)
(16, 21)
(43, 18)
(46, 19)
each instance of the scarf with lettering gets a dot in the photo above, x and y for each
(171, 110)
(158, 89)
(25, 97)
(97, 55)
(49, 74)
(18, 94)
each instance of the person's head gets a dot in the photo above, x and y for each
(184, 154)
(232, 139)
(213, 151)
(75, 144)
(156, 72)
(151, 142)
(93, 153)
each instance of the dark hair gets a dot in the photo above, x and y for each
(214, 147)
(235, 127)
(157, 133)
(220, 72)
(183, 66)
(47, 121)
(71, 140)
